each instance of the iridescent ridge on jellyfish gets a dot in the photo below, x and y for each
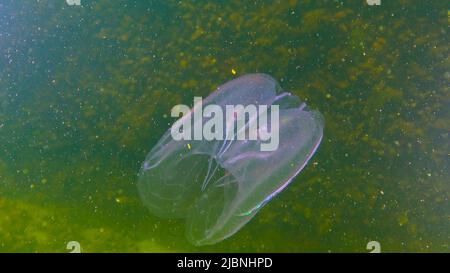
(219, 185)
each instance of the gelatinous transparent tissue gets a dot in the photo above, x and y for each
(219, 185)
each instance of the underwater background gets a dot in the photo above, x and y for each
(86, 91)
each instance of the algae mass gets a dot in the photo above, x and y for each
(86, 91)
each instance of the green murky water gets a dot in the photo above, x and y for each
(86, 91)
